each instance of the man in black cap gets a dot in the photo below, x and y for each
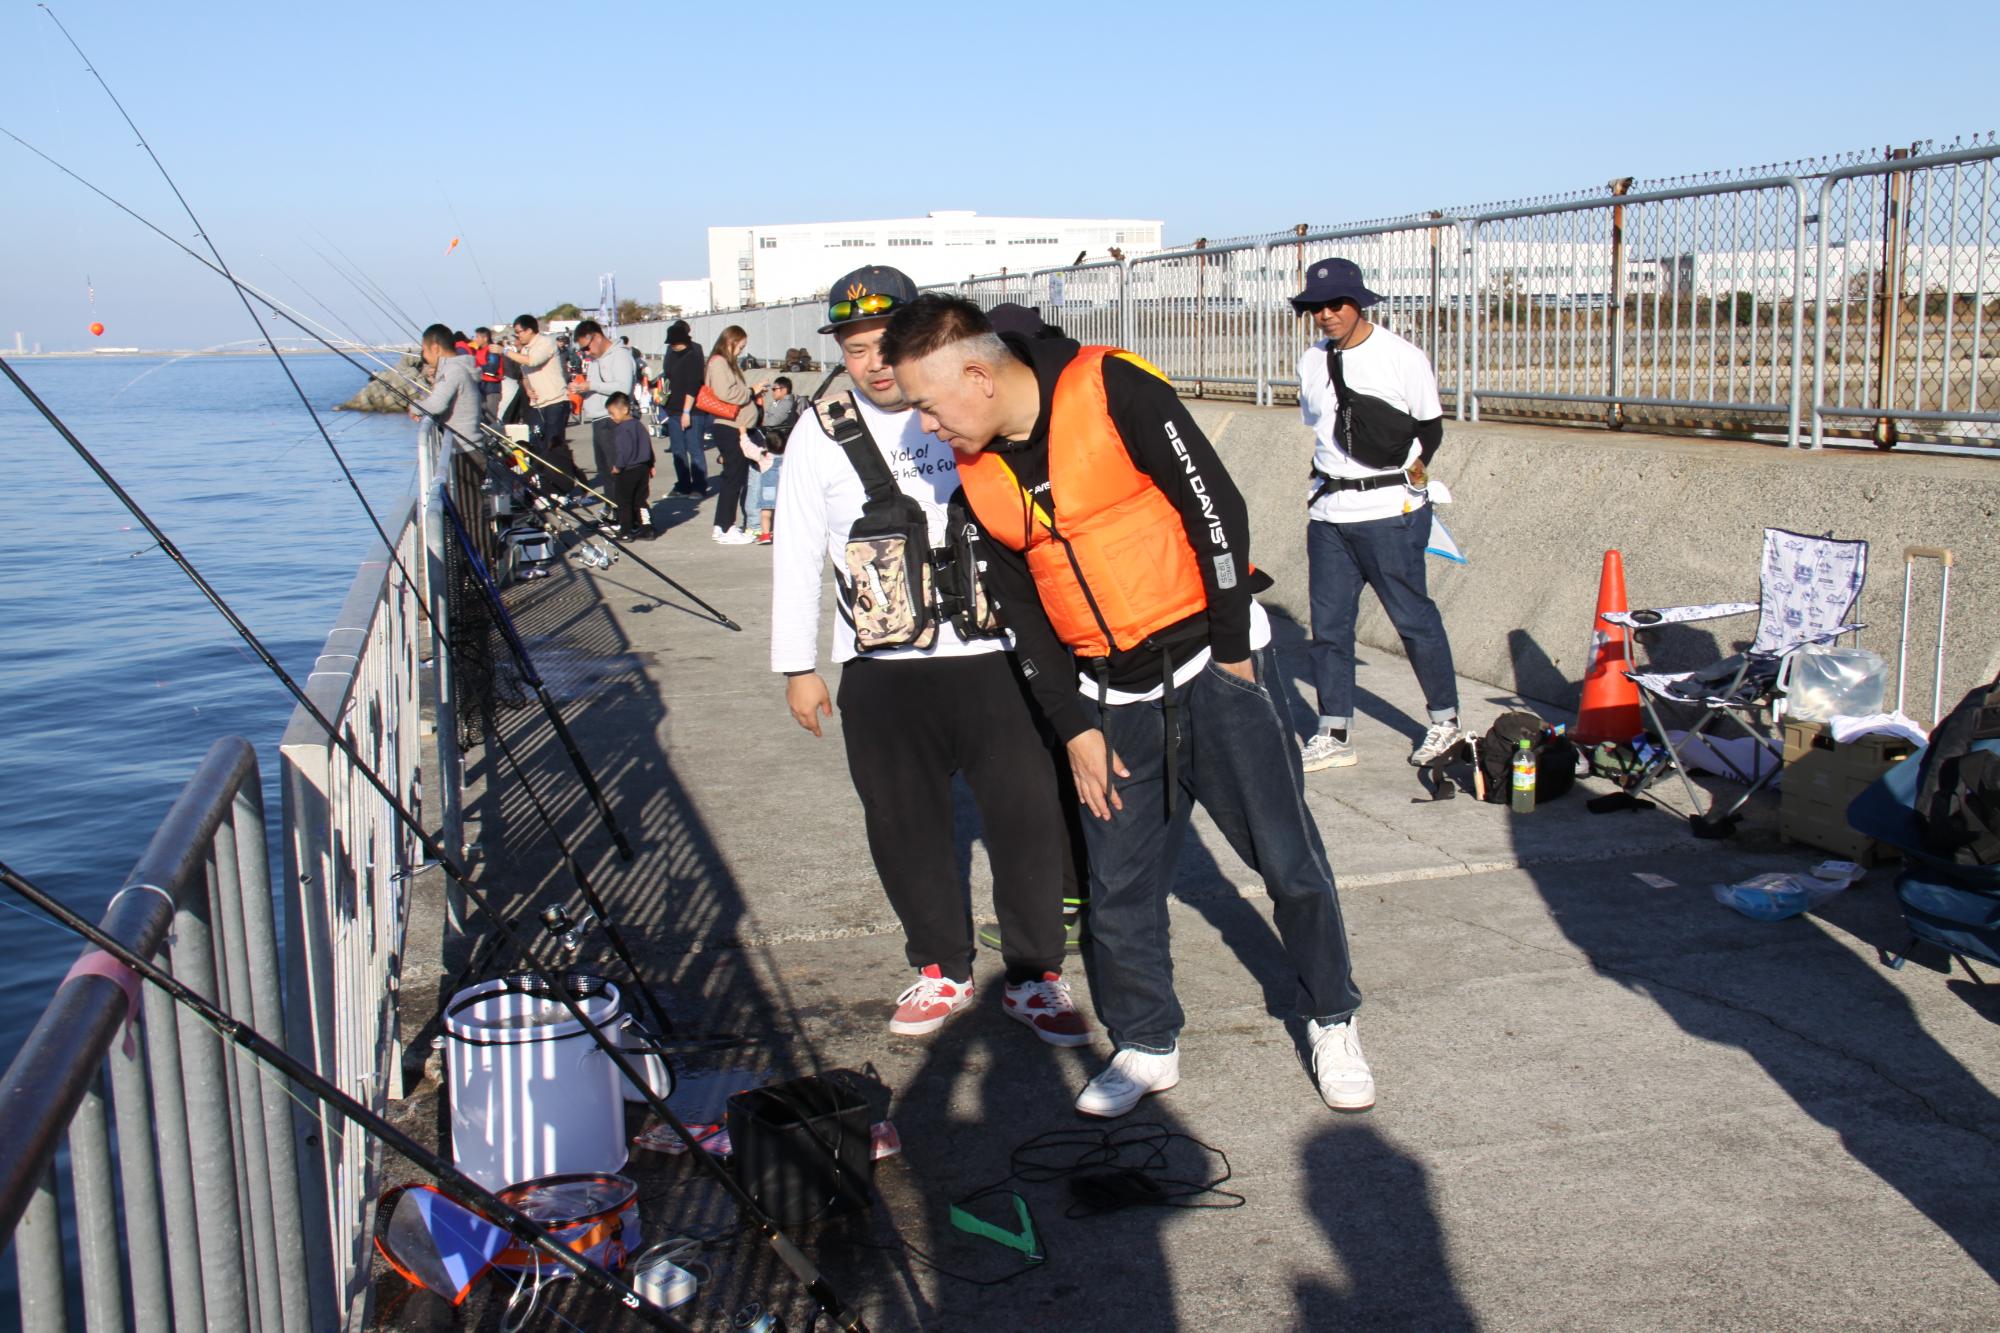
(1371, 400)
(913, 716)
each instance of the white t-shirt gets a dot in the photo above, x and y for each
(819, 498)
(1383, 365)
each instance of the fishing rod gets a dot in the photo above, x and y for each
(297, 388)
(366, 295)
(781, 1244)
(461, 1187)
(304, 324)
(352, 334)
(380, 290)
(526, 665)
(459, 230)
(581, 879)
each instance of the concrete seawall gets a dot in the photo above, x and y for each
(1536, 508)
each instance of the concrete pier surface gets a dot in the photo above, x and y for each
(1606, 1102)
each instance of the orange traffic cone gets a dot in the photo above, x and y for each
(1610, 710)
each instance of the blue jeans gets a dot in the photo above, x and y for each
(1237, 755)
(690, 462)
(1386, 554)
(767, 485)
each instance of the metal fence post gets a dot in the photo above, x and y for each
(205, 1072)
(1124, 301)
(96, 1213)
(1478, 303)
(38, 1261)
(1892, 298)
(138, 1179)
(1614, 411)
(1261, 294)
(1798, 313)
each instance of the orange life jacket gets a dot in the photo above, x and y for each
(1117, 562)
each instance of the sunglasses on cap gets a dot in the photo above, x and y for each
(860, 307)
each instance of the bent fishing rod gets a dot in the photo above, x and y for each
(305, 325)
(526, 665)
(249, 309)
(781, 1244)
(462, 1188)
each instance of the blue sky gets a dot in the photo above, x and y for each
(574, 140)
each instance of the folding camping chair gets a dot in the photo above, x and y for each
(1807, 588)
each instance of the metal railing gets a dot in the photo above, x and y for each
(1856, 300)
(204, 1221)
(348, 865)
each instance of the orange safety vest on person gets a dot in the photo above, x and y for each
(1117, 563)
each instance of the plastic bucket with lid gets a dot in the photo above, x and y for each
(532, 1094)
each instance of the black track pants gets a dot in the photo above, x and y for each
(909, 725)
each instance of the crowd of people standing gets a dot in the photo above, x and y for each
(556, 384)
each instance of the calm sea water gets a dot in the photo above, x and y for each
(115, 673)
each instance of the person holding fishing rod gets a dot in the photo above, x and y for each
(540, 360)
(454, 400)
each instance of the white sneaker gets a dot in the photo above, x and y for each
(1441, 737)
(716, 535)
(1323, 751)
(1345, 1082)
(736, 537)
(1130, 1076)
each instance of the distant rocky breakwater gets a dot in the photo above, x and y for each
(387, 391)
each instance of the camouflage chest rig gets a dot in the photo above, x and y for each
(897, 588)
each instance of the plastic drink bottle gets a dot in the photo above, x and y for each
(1522, 797)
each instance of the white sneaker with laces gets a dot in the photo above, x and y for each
(1324, 751)
(716, 535)
(1130, 1076)
(736, 537)
(1441, 737)
(1339, 1067)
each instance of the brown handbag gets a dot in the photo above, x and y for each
(707, 400)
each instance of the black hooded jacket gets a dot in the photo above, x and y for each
(1166, 445)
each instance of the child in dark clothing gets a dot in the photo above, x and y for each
(631, 456)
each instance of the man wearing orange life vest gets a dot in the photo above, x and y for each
(1119, 537)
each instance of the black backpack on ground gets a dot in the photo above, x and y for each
(1958, 787)
(1491, 755)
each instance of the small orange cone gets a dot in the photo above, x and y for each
(1610, 710)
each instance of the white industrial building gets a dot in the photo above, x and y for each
(796, 260)
(688, 295)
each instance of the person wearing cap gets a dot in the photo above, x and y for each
(912, 717)
(683, 373)
(1116, 533)
(540, 358)
(1371, 401)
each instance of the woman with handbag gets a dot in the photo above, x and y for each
(725, 400)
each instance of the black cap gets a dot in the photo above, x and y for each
(874, 280)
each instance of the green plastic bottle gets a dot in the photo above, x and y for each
(1522, 797)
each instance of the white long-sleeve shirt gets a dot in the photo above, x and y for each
(819, 498)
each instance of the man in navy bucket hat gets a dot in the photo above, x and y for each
(1371, 401)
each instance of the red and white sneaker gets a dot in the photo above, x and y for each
(1048, 1008)
(925, 1006)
